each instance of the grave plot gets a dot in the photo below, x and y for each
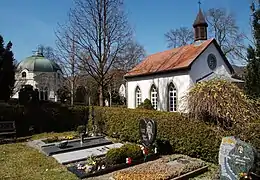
(78, 147)
(69, 151)
(79, 155)
(115, 159)
(169, 167)
(74, 145)
(121, 157)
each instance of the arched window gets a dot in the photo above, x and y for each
(154, 96)
(46, 94)
(172, 98)
(138, 96)
(23, 74)
(41, 96)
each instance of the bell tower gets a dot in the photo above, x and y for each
(200, 26)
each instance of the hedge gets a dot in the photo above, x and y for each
(185, 136)
(189, 137)
(47, 117)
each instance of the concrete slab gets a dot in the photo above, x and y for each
(51, 149)
(70, 157)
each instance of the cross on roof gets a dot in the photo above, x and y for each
(199, 3)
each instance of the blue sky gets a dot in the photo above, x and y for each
(28, 23)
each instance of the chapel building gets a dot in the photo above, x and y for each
(166, 77)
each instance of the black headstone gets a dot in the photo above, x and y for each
(148, 130)
(235, 157)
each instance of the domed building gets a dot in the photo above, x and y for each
(41, 73)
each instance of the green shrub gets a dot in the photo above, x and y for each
(51, 139)
(119, 155)
(220, 102)
(81, 129)
(146, 105)
(132, 150)
(251, 134)
(47, 117)
(115, 156)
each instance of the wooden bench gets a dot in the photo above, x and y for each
(7, 128)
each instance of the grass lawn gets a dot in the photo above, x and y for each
(18, 161)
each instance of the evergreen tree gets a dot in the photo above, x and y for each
(252, 79)
(7, 70)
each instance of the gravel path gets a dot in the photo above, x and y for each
(149, 170)
(103, 177)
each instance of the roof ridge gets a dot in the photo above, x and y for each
(171, 59)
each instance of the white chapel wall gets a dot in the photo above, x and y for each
(200, 66)
(182, 82)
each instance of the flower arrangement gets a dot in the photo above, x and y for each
(244, 176)
(147, 151)
(92, 165)
(69, 137)
(128, 160)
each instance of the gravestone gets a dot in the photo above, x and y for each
(235, 157)
(148, 130)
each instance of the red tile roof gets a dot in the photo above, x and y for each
(173, 59)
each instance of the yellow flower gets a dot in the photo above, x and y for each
(69, 137)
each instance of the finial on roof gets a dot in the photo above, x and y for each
(39, 51)
(200, 19)
(200, 26)
(199, 3)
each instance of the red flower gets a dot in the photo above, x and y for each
(145, 151)
(128, 160)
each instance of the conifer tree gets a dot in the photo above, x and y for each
(252, 79)
(7, 70)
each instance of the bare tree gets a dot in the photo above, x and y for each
(222, 26)
(49, 52)
(179, 37)
(101, 33)
(130, 57)
(67, 58)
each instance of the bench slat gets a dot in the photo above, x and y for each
(5, 133)
(10, 128)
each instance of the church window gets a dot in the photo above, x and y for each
(41, 94)
(196, 32)
(138, 96)
(23, 74)
(202, 32)
(154, 97)
(172, 98)
(46, 94)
